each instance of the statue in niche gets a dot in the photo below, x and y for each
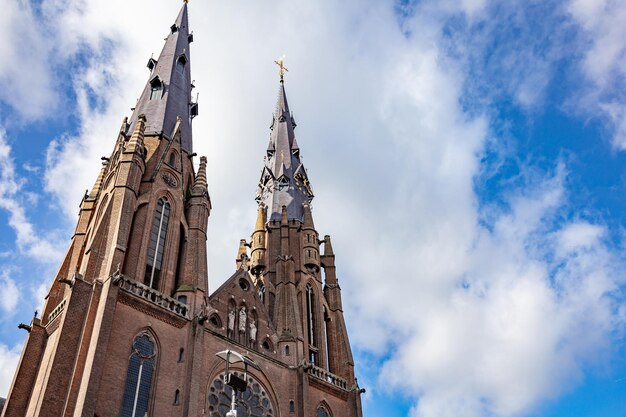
(242, 319)
(231, 322)
(253, 331)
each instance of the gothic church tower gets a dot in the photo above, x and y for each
(129, 328)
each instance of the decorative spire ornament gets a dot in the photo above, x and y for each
(283, 68)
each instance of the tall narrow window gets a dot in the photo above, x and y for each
(157, 243)
(180, 64)
(326, 332)
(139, 377)
(310, 314)
(156, 89)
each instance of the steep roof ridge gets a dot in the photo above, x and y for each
(283, 161)
(172, 72)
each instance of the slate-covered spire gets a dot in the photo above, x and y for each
(284, 180)
(167, 94)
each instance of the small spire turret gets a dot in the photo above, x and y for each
(328, 247)
(135, 143)
(98, 184)
(310, 243)
(258, 243)
(242, 253)
(200, 185)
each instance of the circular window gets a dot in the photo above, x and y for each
(254, 402)
(243, 283)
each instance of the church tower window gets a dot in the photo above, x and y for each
(172, 160)
(311, 328)
(329, 351)
(180, 64)
(139, 377)
(157, 244)
(156, 89)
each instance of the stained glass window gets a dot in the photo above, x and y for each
(311, 325)
(139, 378)
(157, 243)
(321, 412)
(254, 402)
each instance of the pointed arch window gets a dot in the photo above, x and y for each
(311, 328)
(325, 341)
(141, 366)
(156, 89)
(180, 64)
(321, 412)
(172, 160)
(157, 243)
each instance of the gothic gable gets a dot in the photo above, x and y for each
(236, 311)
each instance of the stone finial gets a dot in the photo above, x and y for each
(328, 247)
(136, 140)
(200, 185)
(260, 219)
(258, 242)
(242, 253)
(284, 219)
(308, 217)
(98, 184)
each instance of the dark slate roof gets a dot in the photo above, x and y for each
(283, 180)
(175, 101)
(2, 400)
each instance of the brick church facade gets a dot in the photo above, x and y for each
(129, 328)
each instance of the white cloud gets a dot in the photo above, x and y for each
(604, 60)
(475, 319)
(9, 294)
(28, 241)
(580, 235)
(8, 363)
(500, 330)
(26, 79)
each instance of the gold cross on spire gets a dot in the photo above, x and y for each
(282, 66)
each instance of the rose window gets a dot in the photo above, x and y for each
(254, 402)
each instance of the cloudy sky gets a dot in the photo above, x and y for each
(468, 159)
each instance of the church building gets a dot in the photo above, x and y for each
(130, 327)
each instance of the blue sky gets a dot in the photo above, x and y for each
(468, 159)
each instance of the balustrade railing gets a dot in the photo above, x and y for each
(324, 375)
(150, 294)
(57, 311)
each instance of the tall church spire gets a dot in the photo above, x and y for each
(284, 180)
(167, 94)
(131, 295)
